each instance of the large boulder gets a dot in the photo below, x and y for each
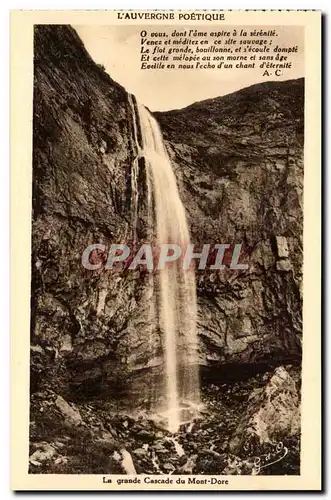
(273, 413)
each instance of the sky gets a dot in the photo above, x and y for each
(118, 49)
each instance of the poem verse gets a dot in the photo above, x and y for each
(223, 49)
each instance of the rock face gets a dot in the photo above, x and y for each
(273, 413)
(84, 329)
(239, 164)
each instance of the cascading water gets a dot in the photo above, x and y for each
(174, 306)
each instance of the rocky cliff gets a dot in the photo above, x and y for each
(239, 165)
(82, 157)
(239, 162)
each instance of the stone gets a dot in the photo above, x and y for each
(44, 452)
(282, 247)
(37, 349)
(210, 462)
(117, 456)
(35, 463)
(66, 344)
(159, 448)
(59, 444)
(236, 466)
(283, 266)
(145, 435)
(140, 452)
(189, 466)
(103, 146)
(70, 414)
(244, 327)
(168, 467)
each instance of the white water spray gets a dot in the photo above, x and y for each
(174, 288)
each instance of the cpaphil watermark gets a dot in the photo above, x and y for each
(156, 257)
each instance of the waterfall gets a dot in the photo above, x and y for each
(173, 287)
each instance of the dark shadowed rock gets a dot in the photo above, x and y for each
(210, 462)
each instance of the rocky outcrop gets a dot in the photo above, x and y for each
(273, 413)
(238, 162)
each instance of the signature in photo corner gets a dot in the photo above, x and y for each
(270, 458)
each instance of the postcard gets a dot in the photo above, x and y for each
(166, 243)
